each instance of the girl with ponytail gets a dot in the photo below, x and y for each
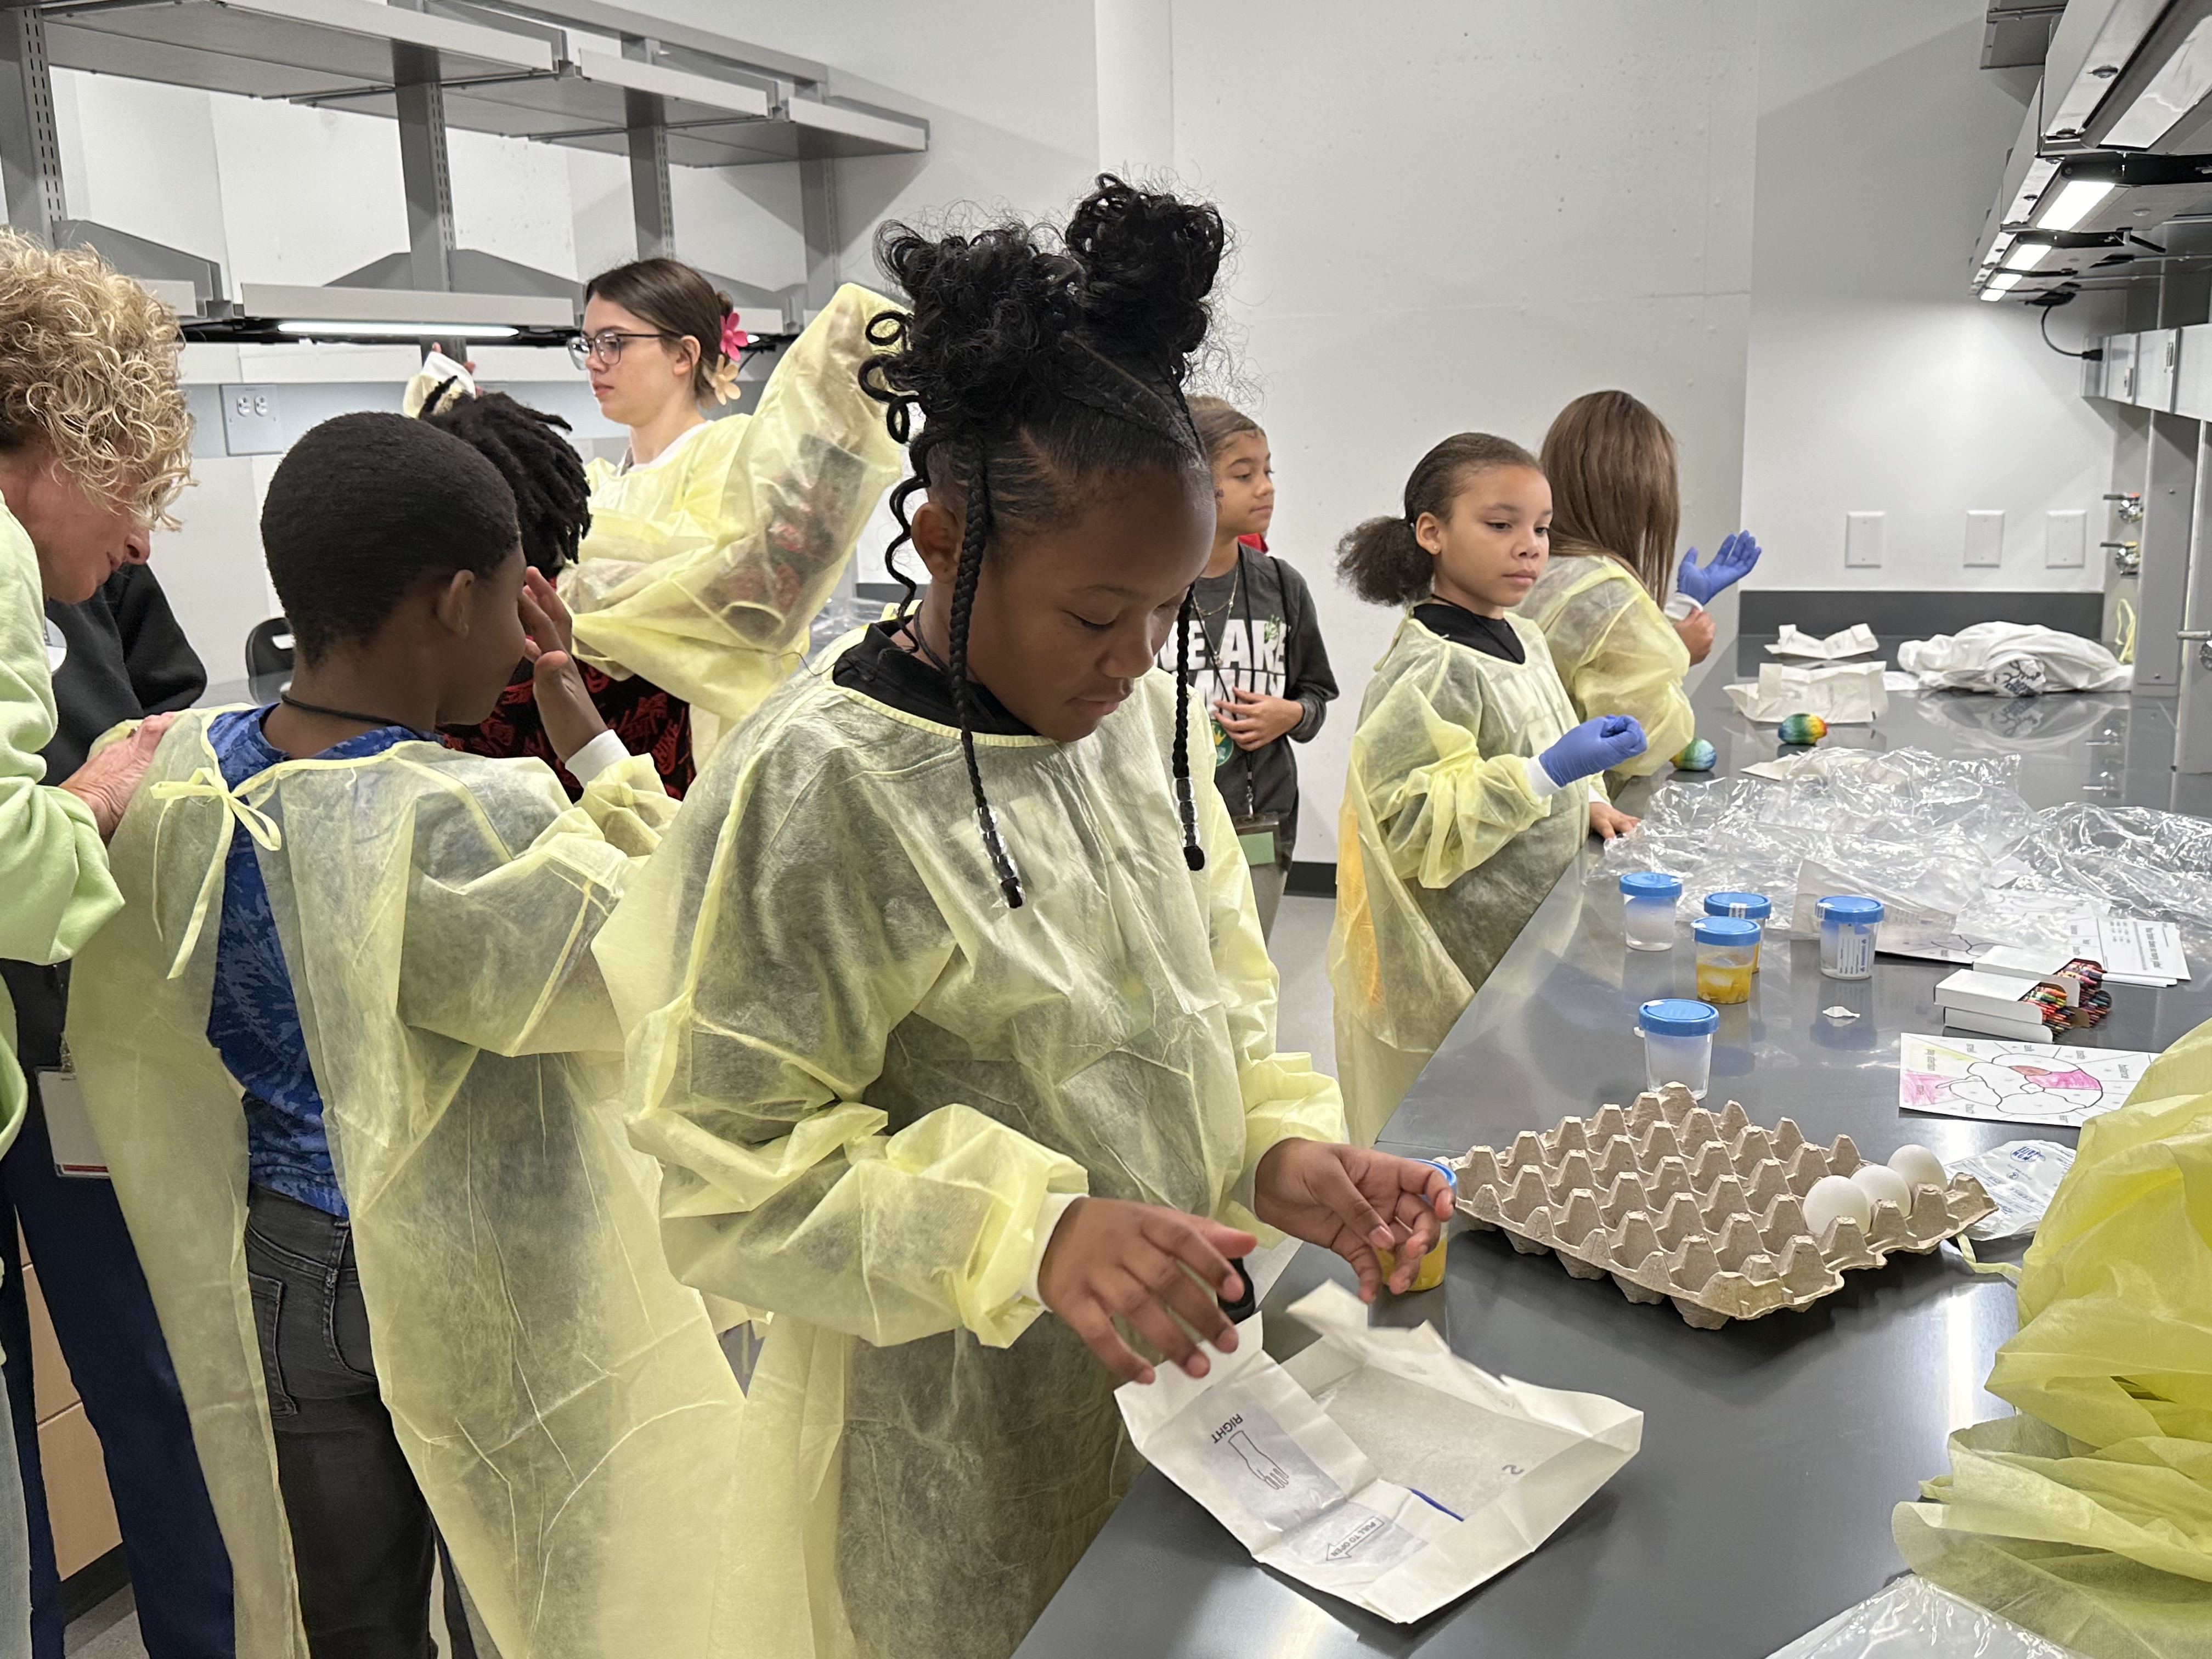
(1471, 786)
(948, 1008)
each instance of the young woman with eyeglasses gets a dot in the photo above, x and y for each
(712, 546)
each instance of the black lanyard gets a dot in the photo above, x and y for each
(1252, 657)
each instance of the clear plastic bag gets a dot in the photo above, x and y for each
(1910, 1619)
(1907, 826)
(1932, 832)
(2021, 1176)
(2137, 860)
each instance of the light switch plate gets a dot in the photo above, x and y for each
(253, 421)
(1862, 540)
(2066, 538)
(1984, 538)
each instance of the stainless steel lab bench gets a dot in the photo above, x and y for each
(1773, 1451)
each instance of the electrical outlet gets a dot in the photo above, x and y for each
(1984, 538)
(1862, 540)
(252, 422)
(2066, 538)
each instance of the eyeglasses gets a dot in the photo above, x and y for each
(606, 345)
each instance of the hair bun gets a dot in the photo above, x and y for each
(1149, 260)
(986, 313)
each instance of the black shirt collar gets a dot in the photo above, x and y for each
(1494, 636)
(880, 668)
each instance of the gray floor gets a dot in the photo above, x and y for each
(1299, 946)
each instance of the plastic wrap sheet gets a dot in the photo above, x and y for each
(1910, 1619)
(1907, 826)
(2139, 862)
(1936, 832)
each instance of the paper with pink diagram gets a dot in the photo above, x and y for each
(2000, 1082)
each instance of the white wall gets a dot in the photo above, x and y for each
(1462, 220)
(1450, 214)
(1876, 382)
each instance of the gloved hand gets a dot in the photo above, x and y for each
(1729, 566)
(1591, 748)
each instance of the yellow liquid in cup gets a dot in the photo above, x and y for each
(1427, 1276)
(1717, 983)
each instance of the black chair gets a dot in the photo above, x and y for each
(269, 649)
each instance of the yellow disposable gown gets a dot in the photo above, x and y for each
(1616, 652)
(863, 1075)
(1444, 849)
(704, 567)
(2089, 1516)
(54, 871)
(560, 1396)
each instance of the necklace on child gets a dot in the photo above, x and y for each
(291, 702)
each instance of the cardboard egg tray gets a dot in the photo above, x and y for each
(1679, 1204)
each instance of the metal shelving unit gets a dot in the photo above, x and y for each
(556, 71)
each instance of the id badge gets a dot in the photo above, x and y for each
(1256, 835)
(69, 1128)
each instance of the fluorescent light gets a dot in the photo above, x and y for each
(2039, 173)
(2001, 284)
(2026, 255)
(2077, 202)
(2177, 88)
(406, 330)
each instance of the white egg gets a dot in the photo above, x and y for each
(1919, 1166)
(1832, 1198)
(1879, 1182)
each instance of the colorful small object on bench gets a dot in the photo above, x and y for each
(1697, 756)
(1802, 729)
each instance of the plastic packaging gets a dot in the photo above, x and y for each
(1677, 1043)
(1703, 1209)
(2020, 1178)
(1647, 903)
(1910, 1619)
(1848, 926)
(1727, 956)
(1937, 833)
(1430, 1272)
(2013, 660)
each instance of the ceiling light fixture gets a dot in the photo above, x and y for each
(2026, 255)
(2075, 201)
(402, 331)
(2001, 284)
(2179, 86)
(2039, 173)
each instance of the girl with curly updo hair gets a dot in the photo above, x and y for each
(950, 1019)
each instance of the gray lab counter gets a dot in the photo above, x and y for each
(1773, 1451)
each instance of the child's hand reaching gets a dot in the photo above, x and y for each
(572, 719)
(1153, 1266)
(107, 781)
(1353, 1201)
(1609, 821)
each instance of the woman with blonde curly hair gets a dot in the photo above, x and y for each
(93, 445)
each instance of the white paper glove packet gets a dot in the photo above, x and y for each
(1846, 694)
(1378, 1465)
(1853, 641)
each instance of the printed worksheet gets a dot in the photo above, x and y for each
(1988, 1078)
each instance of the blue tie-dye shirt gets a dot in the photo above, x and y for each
(253, 1020)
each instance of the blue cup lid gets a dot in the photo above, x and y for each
(1651, 884)
(1849, 908)
(1753, 905)
(1678, 1016)
(1450, 1174)
(1725, 930)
